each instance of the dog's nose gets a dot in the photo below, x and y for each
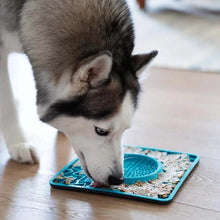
(114, 180)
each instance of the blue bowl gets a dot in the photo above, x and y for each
(141, 168)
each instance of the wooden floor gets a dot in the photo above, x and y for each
(179, 110)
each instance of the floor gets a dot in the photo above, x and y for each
(179, 110)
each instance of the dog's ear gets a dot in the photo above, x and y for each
(94, 70)
(141, 62)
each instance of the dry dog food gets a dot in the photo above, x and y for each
(174, 167)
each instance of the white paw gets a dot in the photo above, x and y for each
(23, 153)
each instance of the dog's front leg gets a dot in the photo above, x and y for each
(12, 133)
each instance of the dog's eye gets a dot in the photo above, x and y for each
(101, 131)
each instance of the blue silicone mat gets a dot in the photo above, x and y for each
(138, 167)
(75, 179)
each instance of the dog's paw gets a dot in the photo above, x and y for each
(23, 153)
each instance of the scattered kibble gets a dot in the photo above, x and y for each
(174, 167)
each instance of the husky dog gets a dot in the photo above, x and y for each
(86, 77)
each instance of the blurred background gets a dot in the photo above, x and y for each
(186, 32)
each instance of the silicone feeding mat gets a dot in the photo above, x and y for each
(150, 174)
(138, 167)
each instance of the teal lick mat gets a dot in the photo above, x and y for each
(175, 167)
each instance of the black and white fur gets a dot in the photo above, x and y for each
(86, 76)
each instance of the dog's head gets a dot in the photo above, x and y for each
(94, 105)
(90, 96)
